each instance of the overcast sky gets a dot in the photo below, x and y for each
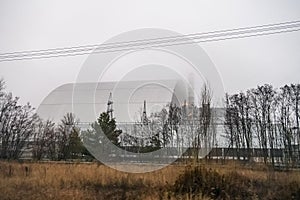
(242, 63)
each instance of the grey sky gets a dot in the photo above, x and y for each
(243, 63)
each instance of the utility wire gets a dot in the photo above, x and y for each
(141, 48)
(67, 50)
(146, 42)
(73, 53)
(237, 33)
(153, 39)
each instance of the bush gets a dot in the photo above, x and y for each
(209, 183)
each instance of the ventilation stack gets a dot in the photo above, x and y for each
(110, 106)
(144, 115)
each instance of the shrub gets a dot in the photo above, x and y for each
(210, 183)
(232, 185)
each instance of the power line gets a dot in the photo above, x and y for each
(237, 33)
(105, 46)
(152, 39)
(154, 46)
(176, 39)
(140, 48)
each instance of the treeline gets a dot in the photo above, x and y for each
(178, 126)
(266, 118)
(21, 130)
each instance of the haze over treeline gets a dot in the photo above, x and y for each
(263, 117)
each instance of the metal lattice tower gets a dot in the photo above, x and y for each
(110, 106)
(144, 115)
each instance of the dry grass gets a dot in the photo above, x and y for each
(96, 181)
(80, 181)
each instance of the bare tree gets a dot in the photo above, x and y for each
(162, 128)
(289, 121)
(295, 96)
(204, 136)
(66, 130)
(174, 119)
(44, 140)
(16, 125)
(230, 114)
(262, 98)
(238, 123)
(268, 114)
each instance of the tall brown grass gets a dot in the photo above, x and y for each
(96, 181)
(80, 181)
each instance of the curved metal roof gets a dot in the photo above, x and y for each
(88, 100)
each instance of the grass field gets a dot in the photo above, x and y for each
(96, 181)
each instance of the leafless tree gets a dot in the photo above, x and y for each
(205, 135)
(295, 96)
(174, 119)
(262, 98)
(289, 121)
(270, 115)
(238, 123)
(16, 125)
(44, 140)
(67, 127)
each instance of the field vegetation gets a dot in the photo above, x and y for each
(61, 180)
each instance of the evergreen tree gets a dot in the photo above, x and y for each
(109, 128)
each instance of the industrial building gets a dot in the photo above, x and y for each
(88, 100)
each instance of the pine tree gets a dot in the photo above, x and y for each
(109, 128)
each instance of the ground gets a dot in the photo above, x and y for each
(60, 180)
